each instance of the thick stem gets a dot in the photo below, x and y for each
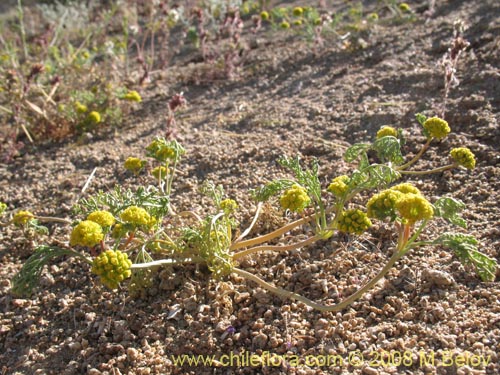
(332, 308)
(435, 170)
(416, 157)
(166, 262)
(294, 246)
(272, 235)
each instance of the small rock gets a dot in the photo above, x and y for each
(370, 371)
(440, 279)
(260, 340)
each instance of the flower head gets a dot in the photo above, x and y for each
(404, 7)
(264, 16)
(228, 206)
(372, 17)
(103, 218)
(383, 204)
(464, 157)
(414, 207)
(136, 216)
(386, 131)
(133, 164)
(86, 233)
(354, 221)
(80, 108)
(406, 188)
(94, 117)
(22, 217)
(119, 231)
(297, 11)
(295, 199)
(159, 173)
(161, 151)
(436, 127)
(284, 25)
(133, 96)
(3, 207)
(112, 266)
(339, 185)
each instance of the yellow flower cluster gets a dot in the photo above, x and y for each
(403, 200)
(404, 7)
(103, 218)
(118, 231)
(406, 188)
(383, 204)
(284, 25)
(86, 233)
(339, 185)
(133, 164)
(436, 127)
(112, 266)
(295, 199)
(3, 207)
(136, 216)
(298, 11)
(354, 221)
(161, 151)
(133, 96)
(228, 206)
(22, 217)
(386, 131)
(264, 16)
(95, 117)
(159, 173)
(464, 157)
(80, 108)
(414, 207)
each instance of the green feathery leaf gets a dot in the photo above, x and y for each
(449, 209)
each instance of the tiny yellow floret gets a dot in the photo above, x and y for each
(295, 199)
(386, 131)
(436, 127)
(103, 218)
(136, 216)
(354, 221)
(464, 157)
(86, 233)
(414, 207)
(133, 96)
(339, 185)
(22, 217)
(112, 267)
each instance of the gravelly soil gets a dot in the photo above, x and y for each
(297, 102)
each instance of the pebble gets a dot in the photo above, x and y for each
(440, 279)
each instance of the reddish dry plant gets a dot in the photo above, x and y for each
(450, 62)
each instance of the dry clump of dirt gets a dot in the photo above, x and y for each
(427, 308)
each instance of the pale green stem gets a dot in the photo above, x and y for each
(166, 262)
(272, 235)
(416, 157)
(256, 216)
(256, 249)
(435, 170)
(332, 308)
(53, 219)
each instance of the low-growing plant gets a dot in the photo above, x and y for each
(132, 232)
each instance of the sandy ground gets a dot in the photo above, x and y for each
(286, 100)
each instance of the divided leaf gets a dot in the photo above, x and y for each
(449, 209)
(388, 149)
(270, 189)
(465, 247)
(358, 150)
